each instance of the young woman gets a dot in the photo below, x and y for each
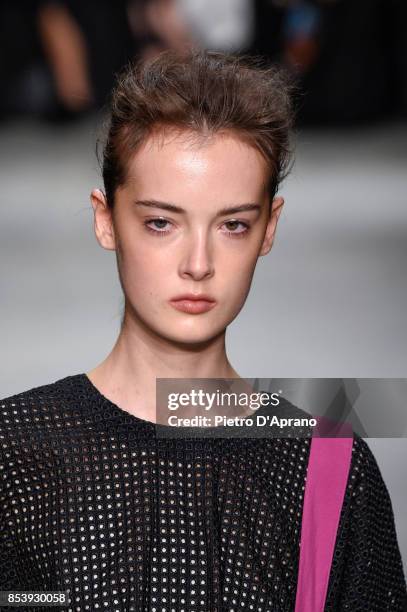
(92, 501)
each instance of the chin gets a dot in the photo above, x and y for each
(193, 335)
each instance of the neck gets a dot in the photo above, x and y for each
(127, 376)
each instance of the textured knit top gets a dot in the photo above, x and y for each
(94, 502)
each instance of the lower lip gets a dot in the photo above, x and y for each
(193, 306)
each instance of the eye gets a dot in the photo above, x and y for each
(160, 225)
(233, 228)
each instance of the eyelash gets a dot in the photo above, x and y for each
(164, 233)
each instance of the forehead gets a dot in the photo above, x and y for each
(184, 165)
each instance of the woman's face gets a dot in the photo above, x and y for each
(177, 230)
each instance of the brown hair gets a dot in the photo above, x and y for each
(204, 92)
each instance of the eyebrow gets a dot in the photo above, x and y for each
(177, 209)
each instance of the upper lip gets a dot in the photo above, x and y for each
(193, 297)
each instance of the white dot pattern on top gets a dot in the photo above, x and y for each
(93, 502)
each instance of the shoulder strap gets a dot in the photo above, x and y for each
(327, 475)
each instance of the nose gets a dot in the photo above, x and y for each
(197, 257)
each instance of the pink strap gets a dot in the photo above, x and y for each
(327, 475)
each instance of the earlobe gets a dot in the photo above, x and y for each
(276, 208)
(103, 222)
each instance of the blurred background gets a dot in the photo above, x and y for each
(330, 299)
(58, 58)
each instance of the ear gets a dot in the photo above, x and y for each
(103, 223)
(275, 212)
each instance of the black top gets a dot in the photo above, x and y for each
(93, 502)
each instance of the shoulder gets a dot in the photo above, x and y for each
(27, 395)
(367, 494)
(367, 568)
(364, 466)
(35, 406)
(34, 395)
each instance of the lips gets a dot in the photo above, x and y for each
(193, 303)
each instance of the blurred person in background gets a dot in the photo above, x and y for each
(59, 57)
(346, 63)
(161, 25)
(66, 50)
(218, 25)
(90, 38)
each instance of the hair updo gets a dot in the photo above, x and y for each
(204, 92)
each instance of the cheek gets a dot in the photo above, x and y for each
(142, 260)
(138, 271)
(241, 261)
(236, 276)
